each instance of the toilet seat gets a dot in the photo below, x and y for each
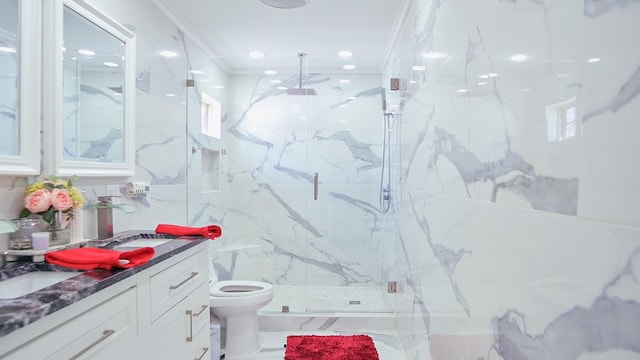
(239, 288)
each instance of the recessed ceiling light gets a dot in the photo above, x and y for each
(285, 4)
(433, 55)
(282, 88)
(593, 60)
(110, 64)
(492, 75)
(171, 95)
(518, 57)
(256, 54)
(86, 52)
(418, 68)
(270, 72)
(197, 72)
(348, 67)
(482, 83)
(345, 53)
(462, 91)
(7, 49)
(168, 54)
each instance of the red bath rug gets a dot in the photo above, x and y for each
(312, 347)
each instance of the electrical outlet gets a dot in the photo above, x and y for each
(112, 190)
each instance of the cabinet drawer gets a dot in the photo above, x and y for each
(201, 348)
(173, 284)
(108, 331)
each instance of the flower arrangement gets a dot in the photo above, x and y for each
(50, 197)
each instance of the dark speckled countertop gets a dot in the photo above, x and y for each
(22, 311)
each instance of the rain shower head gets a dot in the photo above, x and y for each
(300, 90)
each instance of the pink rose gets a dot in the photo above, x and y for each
(38, 201)
(60, 199)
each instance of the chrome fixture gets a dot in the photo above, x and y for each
(385, 191)
(285, 4)
(300, 90)
(105, 217)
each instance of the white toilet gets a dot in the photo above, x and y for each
(236, 302)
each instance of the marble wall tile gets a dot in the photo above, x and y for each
(515, 214)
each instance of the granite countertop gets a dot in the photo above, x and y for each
(22, 311)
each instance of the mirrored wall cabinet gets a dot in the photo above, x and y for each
(20, 44)
(88, 92)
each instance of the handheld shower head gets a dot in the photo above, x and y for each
(384, 100)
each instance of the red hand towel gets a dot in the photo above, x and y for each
(210, 232)
(95, 258)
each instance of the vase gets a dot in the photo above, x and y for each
(57, 234)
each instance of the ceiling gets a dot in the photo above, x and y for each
(232, 28)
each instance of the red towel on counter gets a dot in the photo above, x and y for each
(95, 258)
(210, 232)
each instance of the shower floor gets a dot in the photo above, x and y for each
(302, 299)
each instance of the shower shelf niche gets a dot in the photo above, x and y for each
(210, 170)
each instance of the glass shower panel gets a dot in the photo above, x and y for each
(344, 258)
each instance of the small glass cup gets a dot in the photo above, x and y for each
(21, 238)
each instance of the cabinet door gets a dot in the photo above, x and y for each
(179, 333)
(108, 331)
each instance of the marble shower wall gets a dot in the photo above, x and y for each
(517, 216)
(275, 143)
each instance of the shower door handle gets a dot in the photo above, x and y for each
(315, 186)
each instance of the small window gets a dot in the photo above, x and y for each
(211, 116)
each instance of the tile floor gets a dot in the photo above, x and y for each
(387, 344)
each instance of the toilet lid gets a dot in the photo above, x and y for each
(238, 288)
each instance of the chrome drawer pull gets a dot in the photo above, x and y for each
(105, 335)
(204, 307)
(193, 274)
(190, 337)
(204, 352)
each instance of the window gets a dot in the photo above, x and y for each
(211, 116)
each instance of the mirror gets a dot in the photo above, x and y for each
(19, 87)
(89, 92)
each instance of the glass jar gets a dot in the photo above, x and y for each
(21, 238)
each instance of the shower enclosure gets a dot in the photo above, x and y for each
(294, 180)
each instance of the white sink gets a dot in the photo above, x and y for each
(138, 243)
(30, 282)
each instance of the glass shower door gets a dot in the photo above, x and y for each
(345, 261)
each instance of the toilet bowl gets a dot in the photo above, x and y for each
(237, 303)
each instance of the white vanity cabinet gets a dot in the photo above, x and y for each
(161, 312)
(177, 311)
(101, 326)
